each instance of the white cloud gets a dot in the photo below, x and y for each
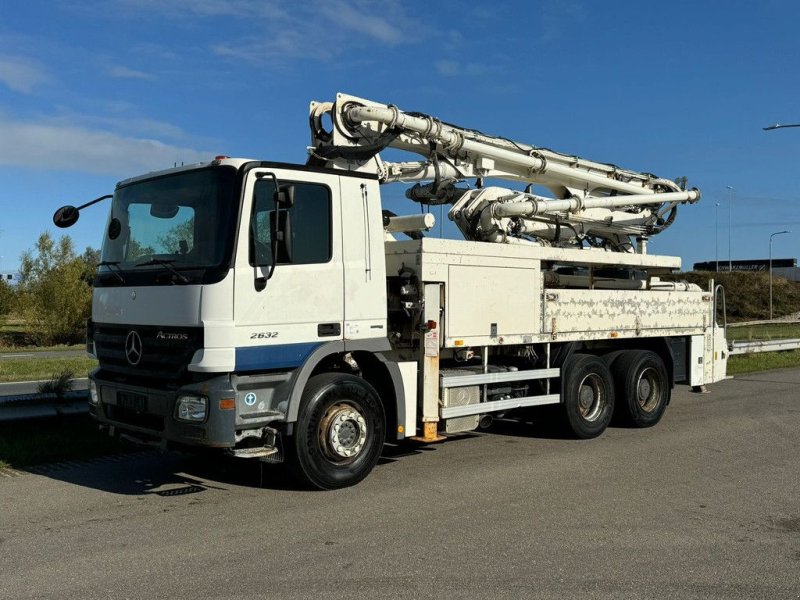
(356, 18)
(282, 45)
(448, 68)
(453, 68)
(276, 31)
(126, 73)
(21, 74)
(126, 123)
(558, 17)
(182, 9)
(61, 146)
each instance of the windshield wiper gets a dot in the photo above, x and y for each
(115, 265)
(167, 264)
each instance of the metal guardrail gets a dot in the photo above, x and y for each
(37, 406)
(763, 346)
(32, 405)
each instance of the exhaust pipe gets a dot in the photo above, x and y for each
(485, 421)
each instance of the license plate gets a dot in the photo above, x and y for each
(130, 401)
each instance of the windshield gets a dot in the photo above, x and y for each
(183, 220)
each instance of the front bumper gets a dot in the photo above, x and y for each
(236, 408)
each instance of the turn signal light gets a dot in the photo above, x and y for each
(227, 404)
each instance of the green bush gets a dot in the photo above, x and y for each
(55, 295)
(747, 293)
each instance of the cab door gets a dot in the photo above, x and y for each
(287, 305)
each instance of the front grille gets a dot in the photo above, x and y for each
(165, 351)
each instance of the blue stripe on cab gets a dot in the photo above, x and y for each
(282, 356)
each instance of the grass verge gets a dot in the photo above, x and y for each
(27, 443)
(763, 361)
(765, 331)
(30, 369)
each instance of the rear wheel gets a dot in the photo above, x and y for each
(587, 392)
(339, 433)
(642, 386)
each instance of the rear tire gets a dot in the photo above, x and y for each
(587, 392)
(642, 386)
(339, 434)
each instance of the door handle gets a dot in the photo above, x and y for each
(329, 329)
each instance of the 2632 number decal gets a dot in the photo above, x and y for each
(263, 335)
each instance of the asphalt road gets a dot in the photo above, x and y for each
(705, 505)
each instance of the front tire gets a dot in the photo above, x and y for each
(339, 434)
(587, 392)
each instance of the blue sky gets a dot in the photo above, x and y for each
(93, 92)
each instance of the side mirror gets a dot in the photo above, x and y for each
(284, 196)
(66, 216)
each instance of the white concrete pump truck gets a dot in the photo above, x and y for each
(267, 310)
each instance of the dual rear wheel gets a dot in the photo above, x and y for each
(632, 387)
(643, 389)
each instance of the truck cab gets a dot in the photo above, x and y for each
(223, 287)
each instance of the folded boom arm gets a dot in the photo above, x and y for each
(591, 202)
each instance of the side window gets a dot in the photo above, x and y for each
(310, 217)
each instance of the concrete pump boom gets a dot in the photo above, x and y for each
(594, 203)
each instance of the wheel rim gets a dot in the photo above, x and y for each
(592, 397)
(343, 432)
(648, 392)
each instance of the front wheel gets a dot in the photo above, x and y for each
(587, 393)
(339, 433)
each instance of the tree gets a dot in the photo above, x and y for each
(6, 298)
(55, 294)
(179, 239)
(91, 256)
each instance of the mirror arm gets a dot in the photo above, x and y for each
(95, 201)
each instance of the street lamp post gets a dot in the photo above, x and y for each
(772, 235)
(779, 126)
(716, 236)
(730, 225)
(770, 128)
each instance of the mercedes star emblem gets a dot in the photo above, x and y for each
(133, 348)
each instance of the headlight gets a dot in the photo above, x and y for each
(94, 397)
(191, 408)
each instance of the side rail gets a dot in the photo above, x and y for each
(455, 381)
